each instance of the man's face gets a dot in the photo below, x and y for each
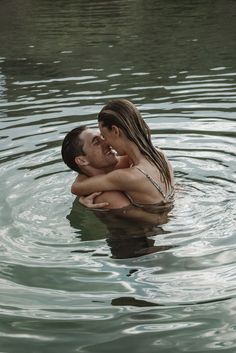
(97, 152)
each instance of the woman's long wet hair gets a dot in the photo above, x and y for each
(123, 114)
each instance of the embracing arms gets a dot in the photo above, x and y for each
(115, 180)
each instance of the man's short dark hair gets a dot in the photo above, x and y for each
(72, 147)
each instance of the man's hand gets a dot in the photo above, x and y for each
(88, 201)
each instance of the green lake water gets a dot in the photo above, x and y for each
(66, 285)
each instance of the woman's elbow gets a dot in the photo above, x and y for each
(75, 189)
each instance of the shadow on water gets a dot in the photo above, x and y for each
(130, 301)
(125, 236)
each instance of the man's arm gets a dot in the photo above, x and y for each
(110, 200)
(92, 200)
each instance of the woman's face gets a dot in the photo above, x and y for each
(113, 138)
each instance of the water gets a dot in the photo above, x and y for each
(65, 285)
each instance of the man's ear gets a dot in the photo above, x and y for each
(81, 161)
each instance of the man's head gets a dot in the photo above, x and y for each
(84, 151)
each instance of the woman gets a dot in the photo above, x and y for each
(149, 180)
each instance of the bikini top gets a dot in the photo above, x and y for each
(168, 197)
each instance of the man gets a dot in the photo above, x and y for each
(85, 151)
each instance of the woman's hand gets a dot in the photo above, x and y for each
(88, 201)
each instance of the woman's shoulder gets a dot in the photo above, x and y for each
(127, 178)
(124, 172)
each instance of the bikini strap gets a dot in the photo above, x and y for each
(154, 183)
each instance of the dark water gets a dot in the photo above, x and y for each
(65, 285)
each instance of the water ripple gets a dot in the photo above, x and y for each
(61, 276)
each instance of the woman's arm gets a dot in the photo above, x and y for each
(117, 180)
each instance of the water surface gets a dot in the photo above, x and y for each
(66, 286)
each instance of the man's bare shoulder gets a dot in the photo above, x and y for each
(80, 177)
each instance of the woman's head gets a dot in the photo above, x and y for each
(124, 115)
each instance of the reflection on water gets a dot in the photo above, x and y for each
(87, 226)
(125, 236)
(132, 302)
(79, 283)
(132, 246)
